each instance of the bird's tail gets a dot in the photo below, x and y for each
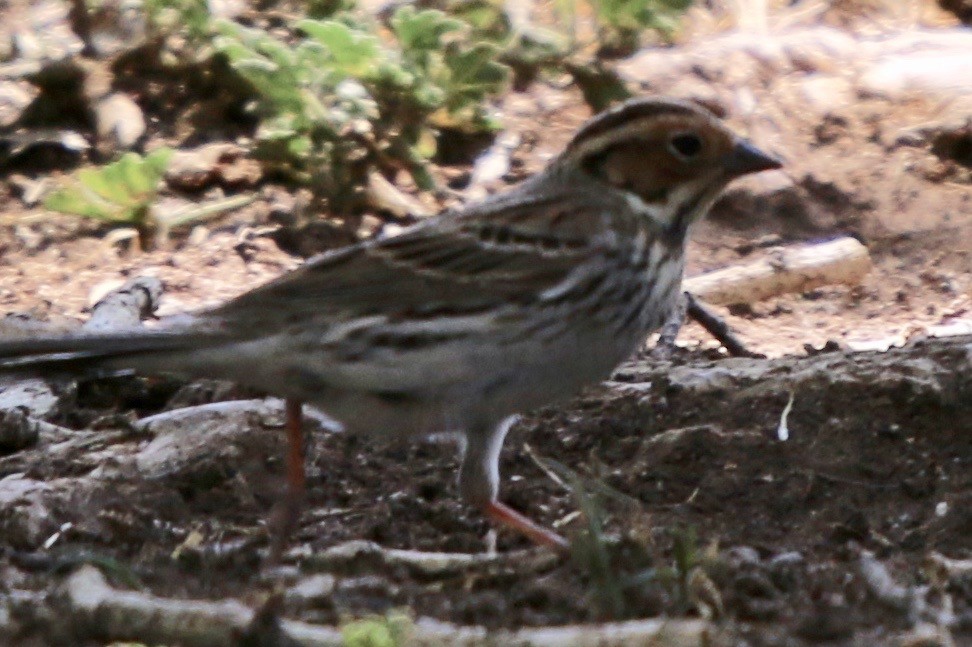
(91, 352)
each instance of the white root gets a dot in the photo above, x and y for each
(110, 614)
(788, 270)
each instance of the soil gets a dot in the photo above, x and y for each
(676, 458)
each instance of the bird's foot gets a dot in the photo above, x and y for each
(507, 516)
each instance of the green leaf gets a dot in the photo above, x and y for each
(627, 18)
(99, 182)
(157, 162)
(118, 192)
(340, 101)
(353, 52)
(74, 201)
(423, 30)
(391, 630)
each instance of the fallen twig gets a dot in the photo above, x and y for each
(127, 306)
(195, 213)
(910, 600)
(715, 326)
(948, 570)
(382, 194)
(789, 270)
(423, 564)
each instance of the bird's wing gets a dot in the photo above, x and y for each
(504, 251)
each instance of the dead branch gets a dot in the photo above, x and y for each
(382, 194)
(127, 306)
(797, 269)
(425, 564)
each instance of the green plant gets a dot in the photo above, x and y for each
(340, 102)
(605, 561)
(327, 8)
(593, 552)
(452, 75)
(621, 570)
(633, 16)
(685, 554)
(390, 630)
(620, 24)
(526, 48)
(120, 192)
(167, 16)
(124, 192)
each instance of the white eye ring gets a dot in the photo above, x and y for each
(685, 146)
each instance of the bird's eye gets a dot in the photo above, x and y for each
(685, 145)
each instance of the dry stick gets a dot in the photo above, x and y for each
(751, 15)
(119, 309)
(109, 614)
(382, 194)
(716, 326)
(422, 563)
(787, 270)
(127, 306)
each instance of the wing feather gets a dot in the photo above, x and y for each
(500, 252)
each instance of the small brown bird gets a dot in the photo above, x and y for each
(459, 322)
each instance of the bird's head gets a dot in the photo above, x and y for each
(671, 158)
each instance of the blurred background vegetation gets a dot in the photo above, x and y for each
(323, 94)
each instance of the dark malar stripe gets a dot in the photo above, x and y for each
(676, 232)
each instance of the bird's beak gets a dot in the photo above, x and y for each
(746, 158)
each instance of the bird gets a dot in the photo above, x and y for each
(464, 320)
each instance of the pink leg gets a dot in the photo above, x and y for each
(507, 516)
(286, 514)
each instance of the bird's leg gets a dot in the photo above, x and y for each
(286, 514)
(665, 346)
(690, 307)
(479, 484)
(504, 515)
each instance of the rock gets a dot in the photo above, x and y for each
(742, 555)
(943, 74)
(770, 200)
(17, 431)
(25, 520)
(961, 8)
(826, 94)
(119, 122)
(34, 397)
(31, 191)
(15, 95)
(198, 168)
(195, 169)
(203, 445)
(312, 590)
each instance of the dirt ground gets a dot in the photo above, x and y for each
(854, 531)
